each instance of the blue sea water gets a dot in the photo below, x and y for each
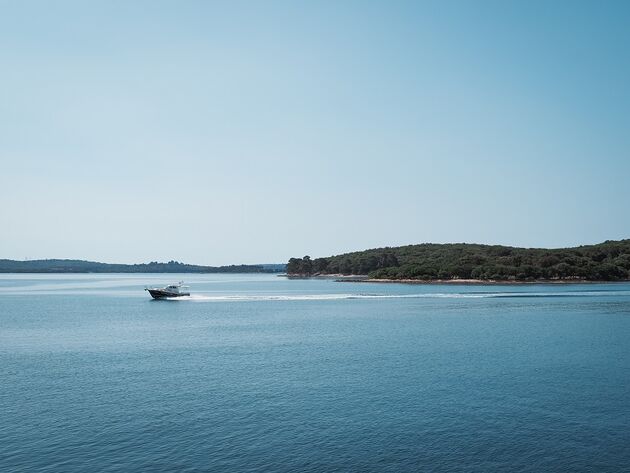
(258, 373)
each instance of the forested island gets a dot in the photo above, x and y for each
(608, 261)
(80, 266)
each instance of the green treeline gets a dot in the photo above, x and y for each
(80, 266)
(608, 261)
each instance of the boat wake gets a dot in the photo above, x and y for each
(439, 295)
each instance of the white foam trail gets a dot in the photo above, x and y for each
(442, 295)
(266, 297)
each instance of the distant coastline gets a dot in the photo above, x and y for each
(81, 266)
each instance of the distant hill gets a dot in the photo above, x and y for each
(80, 266)
(608, 261)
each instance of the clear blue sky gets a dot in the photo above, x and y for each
(245, 132)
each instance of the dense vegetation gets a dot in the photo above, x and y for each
(80, 266)
(608, 261)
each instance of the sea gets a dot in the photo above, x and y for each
(258, 373)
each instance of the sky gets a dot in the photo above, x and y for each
(250, 132)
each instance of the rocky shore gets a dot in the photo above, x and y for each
(475, 281)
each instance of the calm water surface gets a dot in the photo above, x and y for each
(257, 373)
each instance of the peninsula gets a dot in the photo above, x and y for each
(462, 262)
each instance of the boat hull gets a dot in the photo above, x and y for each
(161, 294)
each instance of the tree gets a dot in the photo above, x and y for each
(307, 265)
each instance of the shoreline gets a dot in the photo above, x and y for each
(463, 282)
(485, 282)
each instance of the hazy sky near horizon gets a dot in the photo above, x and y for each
(248, 132)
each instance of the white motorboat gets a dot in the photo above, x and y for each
(173, 290)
